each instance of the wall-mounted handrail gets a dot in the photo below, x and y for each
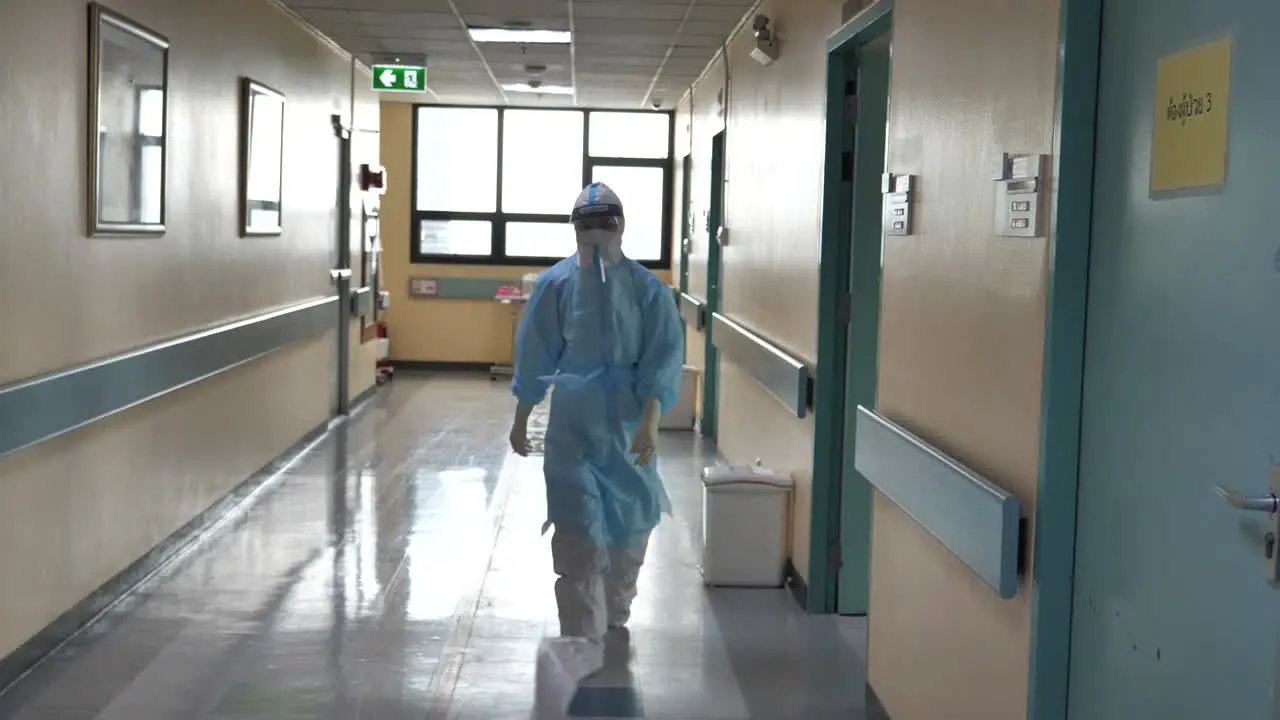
(693, 310)
(980, 523)
(787, 378)
(44, 407)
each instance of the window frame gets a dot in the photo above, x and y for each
(499, 218)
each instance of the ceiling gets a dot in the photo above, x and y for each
(626, 54)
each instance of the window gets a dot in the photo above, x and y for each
(641, 190)
(149, 137)
(151, 183)
(455, 237)
(539, 240)
(494, 186)
(630, 135)
(151, 112)
(457, 159)
(541, 161)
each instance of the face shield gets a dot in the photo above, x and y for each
(598, 223)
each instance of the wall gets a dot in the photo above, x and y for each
(962, 334)
(962, 310)
(775, 140)
(770, 266)
(76, 510)
(437, 330)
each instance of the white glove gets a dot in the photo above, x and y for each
(645, 442)
(519, 436)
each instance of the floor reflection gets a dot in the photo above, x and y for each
(397, 570)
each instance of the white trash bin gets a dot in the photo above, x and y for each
(745, 516)
(681, 415)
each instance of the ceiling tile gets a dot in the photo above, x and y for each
(300, 7)
(416, 34)
(630, 11)
(728, 15)
(542, 22)
(324, 16)
(522, 55)
(395, 5)
(551, 77)
(407, 19)
(511, 10)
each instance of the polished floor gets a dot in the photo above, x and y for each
(395, 570)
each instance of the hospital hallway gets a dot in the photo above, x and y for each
(394, 569)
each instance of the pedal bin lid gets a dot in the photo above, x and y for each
(746, 478)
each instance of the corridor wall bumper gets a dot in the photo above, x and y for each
(977, 521)
(35, 410)
(785, 377)
(470, 288)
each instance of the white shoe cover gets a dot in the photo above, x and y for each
(562, 664)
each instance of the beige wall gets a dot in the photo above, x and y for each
(962, 314)
(76, 510)
(962, 335)
(774, 141)
(434, 330)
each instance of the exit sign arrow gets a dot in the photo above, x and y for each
(399, 78)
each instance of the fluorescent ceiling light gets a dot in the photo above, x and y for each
(520, 35)
(541, 89)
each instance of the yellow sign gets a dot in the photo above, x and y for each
(1189, 140)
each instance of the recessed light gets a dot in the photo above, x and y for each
(540, 89)
(520, 35)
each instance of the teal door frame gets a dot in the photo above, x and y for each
(686, 169)
(1051, 584)
(831, 434)
(715, 218)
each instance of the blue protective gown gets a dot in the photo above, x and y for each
(607, 345)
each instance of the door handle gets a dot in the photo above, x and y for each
(1268, 503)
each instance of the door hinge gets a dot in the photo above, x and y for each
(844, 309)
(846, 166)
(851, 102)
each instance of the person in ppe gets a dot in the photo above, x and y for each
(606, 333)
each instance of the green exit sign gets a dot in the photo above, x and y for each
(400, 78)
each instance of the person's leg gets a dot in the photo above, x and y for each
(620, 580)
(581, 565)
